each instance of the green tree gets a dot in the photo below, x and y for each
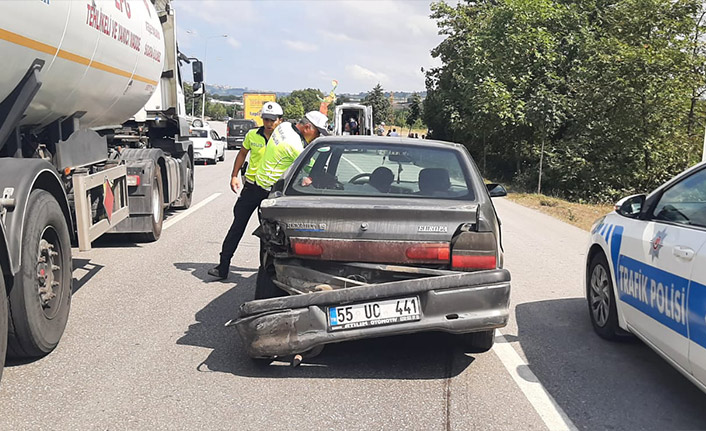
(601, 92)
(415, 111)
(292, 107)
(381, 104)
(310, 98)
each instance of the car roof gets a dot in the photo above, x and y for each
(386, 140)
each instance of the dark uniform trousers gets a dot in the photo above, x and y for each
(249, 200)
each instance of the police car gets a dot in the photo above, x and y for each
(646, 272)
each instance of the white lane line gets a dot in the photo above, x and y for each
(174, 220)
(356, 167)
(550, 412)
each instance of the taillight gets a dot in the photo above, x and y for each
(429, 252)
(474, 251)
(306, 249)
(473, 262)
(208, 144)
(133, 180)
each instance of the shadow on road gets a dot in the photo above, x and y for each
(602, 384)
(409, 357)
(200, 271)
(85, 267)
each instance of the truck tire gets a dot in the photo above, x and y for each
(157, 217)
(3, 323)
(185, 199)
(478, 342)
(40, 297)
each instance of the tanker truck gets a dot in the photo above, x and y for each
(93, 140)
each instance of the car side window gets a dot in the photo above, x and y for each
(684, 202)
(214, 135)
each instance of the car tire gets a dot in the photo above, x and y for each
(264, 287)
(478, 342)
(3, 323)
(37, 319)
(601, 299)
(157, 216)
(223, 156)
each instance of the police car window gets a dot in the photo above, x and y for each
(685, 202)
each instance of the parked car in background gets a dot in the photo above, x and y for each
(371, 237)
(236, 130)
(646, 272)
(208, 146)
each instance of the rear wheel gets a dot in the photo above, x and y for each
(478, 342)
(3, 324)
(601, 299)
(40, 297)
(157, 199)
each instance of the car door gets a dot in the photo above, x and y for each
(218, 143)
(656, 262)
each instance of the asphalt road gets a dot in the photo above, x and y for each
(145, 348)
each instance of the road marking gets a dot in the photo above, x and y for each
(172, 221)
(550, 412)
(360, 171)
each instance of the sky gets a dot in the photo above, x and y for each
(285, 45)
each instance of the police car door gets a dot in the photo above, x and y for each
(656, 262)
(689, 199)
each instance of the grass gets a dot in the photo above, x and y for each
(580, 215)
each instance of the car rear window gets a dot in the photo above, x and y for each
(199, 133)
(240, 126)
(379, 169)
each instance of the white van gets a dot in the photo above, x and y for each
(361, 114)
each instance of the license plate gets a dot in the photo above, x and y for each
(375, 313)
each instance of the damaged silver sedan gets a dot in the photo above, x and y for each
(370, 237)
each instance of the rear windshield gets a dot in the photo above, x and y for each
(377, 169)
(241, 126)
(199, 133)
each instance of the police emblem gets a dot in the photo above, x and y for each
(657, 243)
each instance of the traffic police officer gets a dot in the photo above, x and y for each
(254, 143)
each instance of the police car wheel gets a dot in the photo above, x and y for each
(601, 299)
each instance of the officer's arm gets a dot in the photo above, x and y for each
(239, 160)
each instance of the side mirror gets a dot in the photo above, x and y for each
(197, 69)
(630, 206)
(496, 190)
(223, 138)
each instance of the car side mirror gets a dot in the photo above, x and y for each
(630, 206)
(197, 69)
(223, 138)
(496, 190)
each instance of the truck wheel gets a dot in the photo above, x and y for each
(478, 342)
(157, 216)
(40, 297)
(601, 299)
(264, 287)
(3, 323)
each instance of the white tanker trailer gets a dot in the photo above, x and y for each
(93, 139)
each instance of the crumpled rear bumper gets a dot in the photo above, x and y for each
(457, 303)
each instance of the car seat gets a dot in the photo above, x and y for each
(381, 179)
(433, 181)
